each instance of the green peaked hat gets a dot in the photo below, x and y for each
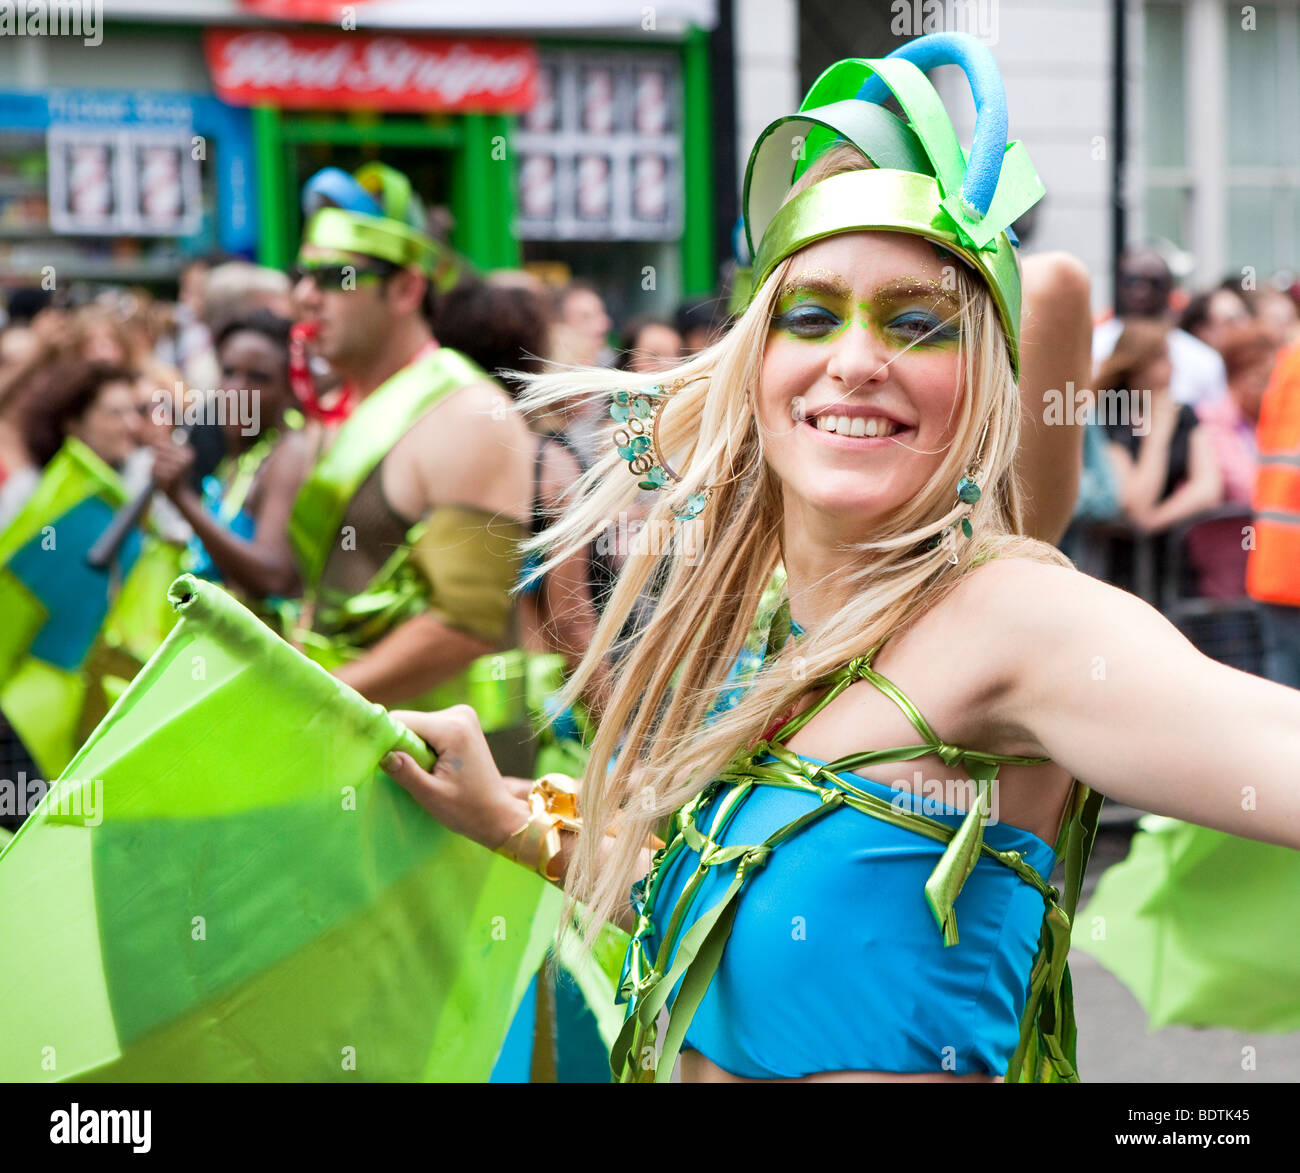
(922, 183)
(375, 212)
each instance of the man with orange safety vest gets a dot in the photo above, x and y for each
(1273, 572)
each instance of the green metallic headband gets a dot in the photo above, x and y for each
(893, 201)
(922, 182)
(387, 239)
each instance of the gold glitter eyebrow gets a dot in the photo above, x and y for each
(821, 280)
(912, 287)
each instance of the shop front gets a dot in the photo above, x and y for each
(100, 184)
(543, 152)
(574, 138)
(434, 108)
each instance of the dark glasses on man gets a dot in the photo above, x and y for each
(334, 277)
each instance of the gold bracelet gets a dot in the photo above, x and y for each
(553, 803)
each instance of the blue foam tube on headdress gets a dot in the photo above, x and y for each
(989, 143)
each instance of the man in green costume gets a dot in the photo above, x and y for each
(405, 532)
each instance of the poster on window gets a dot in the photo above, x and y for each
(593, 188)
(543, 116)
(650, 176)
(609, 128)
(123, 181)
(537, 186)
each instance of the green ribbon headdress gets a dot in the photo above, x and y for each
(923, 181)
(376, 213)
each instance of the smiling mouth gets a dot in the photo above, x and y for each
(855, 427)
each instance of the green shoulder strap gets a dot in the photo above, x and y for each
(369, 434)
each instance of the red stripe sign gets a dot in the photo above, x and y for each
(378, 72)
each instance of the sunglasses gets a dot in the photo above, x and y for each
(333, 277)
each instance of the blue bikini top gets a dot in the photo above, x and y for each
(843, 954)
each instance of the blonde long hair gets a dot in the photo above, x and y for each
(709, 433)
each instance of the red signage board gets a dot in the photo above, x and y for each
(306, 10)
(371, 71)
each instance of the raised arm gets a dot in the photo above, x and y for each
(1055, 352)
(1109, 689)
(264, 565)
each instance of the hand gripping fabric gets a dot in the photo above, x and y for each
(1046, 1052)
(922, 182)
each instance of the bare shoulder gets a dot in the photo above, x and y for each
(1020, 602)
(294, 453)
(473, 448)
(1044, 628)
(481, 409)
(1006, 622)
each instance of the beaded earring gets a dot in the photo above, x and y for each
(637, 442)
(968, 493)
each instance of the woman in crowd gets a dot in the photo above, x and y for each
(92, 402)
(1218, 549)
(240, 517)
(649, 344)
(1163, 459)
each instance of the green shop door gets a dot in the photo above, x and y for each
(460, 162)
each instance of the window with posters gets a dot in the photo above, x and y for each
(600, 153)
(123, 182)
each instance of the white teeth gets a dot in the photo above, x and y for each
(857, 426)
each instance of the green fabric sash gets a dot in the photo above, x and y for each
(1200, 926)
(1047, 1048)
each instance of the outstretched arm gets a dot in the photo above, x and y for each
(1109, 689)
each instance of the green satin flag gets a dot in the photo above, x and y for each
(1200, 926)
(222, 886)
(72, 636)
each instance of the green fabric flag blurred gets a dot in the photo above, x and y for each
(72, 635)
(222, 886)
(1200, 926)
